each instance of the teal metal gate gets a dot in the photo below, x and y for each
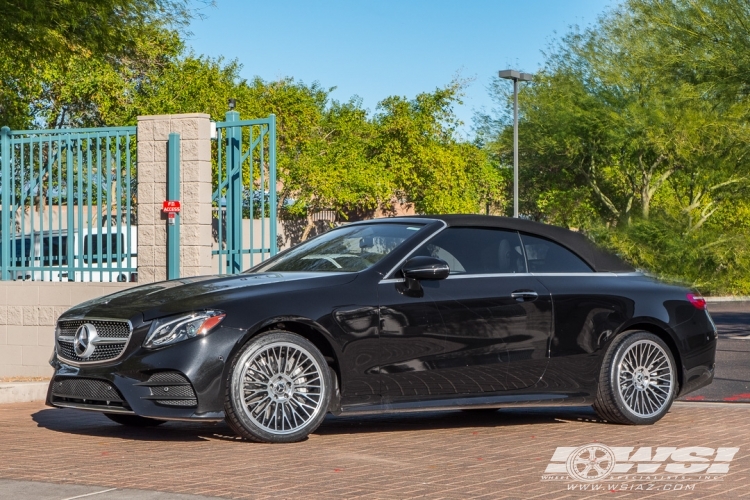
(68, 204)
(244, 198)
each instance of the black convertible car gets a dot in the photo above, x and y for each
(399, 314)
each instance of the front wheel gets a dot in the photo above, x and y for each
(638, 380)
(279, 389)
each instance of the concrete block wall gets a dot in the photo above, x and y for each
(29, 310)
(195, 195)
(28, 314)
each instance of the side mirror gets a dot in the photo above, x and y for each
(426, 268)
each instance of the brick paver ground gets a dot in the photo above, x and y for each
(428, 455)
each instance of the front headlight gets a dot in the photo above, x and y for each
(173, 329)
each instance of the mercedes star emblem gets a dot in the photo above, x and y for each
(83, 342)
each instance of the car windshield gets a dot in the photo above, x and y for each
(347, 249)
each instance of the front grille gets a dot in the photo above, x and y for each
(170, 389)
(101, 353)
(106, 329)
(86, 390)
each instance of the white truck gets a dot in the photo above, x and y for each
(99, 255)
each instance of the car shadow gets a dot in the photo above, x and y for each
(93, 424)
(432, 420)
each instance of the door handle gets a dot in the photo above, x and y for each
(523, 295)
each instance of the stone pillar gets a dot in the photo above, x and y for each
(195, 195)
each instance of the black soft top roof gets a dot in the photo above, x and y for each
(599, 260)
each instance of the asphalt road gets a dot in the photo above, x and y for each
(732, 379)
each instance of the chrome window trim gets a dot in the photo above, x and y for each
(398, 265)
(70, 362)
(508, 275)
(592, 273)
(486, 275)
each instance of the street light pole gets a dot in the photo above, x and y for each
(510, 74)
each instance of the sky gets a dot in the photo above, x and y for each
(375, 49)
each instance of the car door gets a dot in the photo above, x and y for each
(461, 335)
(589, 307)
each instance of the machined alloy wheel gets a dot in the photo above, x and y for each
(638, 380)
(645, 378)
(279, 389)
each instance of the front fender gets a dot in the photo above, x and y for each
(290, 323)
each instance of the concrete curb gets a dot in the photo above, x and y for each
(22, 392)
(739, 298)
(715, 404)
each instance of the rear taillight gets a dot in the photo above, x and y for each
(697, 301)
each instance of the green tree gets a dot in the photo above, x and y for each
(34, 30)
(332, 170)
(331, 155)
(596, 118)
(700, 42)
(620, 136)
(407, 153)
(47, 44)
(416, 144)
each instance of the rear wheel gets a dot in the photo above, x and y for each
(279, 389)
(133, 420)
(638, 380)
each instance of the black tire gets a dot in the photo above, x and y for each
(133, 420)
(299, 393)
(641, 389)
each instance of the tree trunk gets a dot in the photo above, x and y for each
(309, 227)
(649, 187)
(645, 201)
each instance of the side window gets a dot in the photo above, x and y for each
(55, 251)
(544, 256)
(108, 244)
(469, 250)
(23, 252)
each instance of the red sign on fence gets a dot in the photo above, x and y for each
(171, 206)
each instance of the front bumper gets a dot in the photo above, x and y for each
(179, 382)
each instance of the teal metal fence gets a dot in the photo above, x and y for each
(173, 194)
(244, 198)
(68, 207)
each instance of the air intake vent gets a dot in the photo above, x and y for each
(171, 389)
(87, 392)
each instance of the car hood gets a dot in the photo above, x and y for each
(201, 292)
